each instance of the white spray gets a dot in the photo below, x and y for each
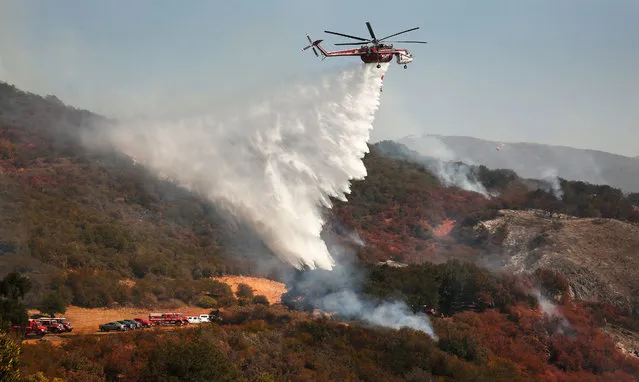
(273, 162)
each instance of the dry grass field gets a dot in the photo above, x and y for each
(273, 290)
(87, 321)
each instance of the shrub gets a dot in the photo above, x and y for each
(222, 293)
(197, 360)
(552, 283)
(53, 303)
(244, 291)
(261, 300)
(9, 359)
(206, 302)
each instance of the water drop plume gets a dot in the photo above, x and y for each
(272, 161)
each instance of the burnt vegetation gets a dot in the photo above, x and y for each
(89, 228)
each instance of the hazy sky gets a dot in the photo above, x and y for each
(558, 72)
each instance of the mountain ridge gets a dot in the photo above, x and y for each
(533, 160)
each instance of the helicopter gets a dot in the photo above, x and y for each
(371, 50)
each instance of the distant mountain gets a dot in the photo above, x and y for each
(532, 160)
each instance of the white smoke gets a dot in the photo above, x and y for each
(453, 174)
(445, 164)
(395, 314)
(273, 162)
(550, 311)
(550, 176)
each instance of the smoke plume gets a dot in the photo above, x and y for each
(550, 176)
(552, 314)
(273, 161)
(340, 292)
(439, 160)
(392, 314)
(458, 175)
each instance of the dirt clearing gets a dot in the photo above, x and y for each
(273, 290)
(88, 321)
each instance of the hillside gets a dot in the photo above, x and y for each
(92, 229)
(123, 222)
(531, 160)
(67, 207)
(598, 256)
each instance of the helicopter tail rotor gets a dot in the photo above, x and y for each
(311, 45)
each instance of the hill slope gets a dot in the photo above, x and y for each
(598, 256)
(68, 212)
(531, 160)
(65, 207)
(97, 230)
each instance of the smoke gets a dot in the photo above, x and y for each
(339, 292)
(429, 145)
(273, 161)
(438, 159)
(559, 322)
(392, 314)
(551, 177)
(458, 175)
(445, 163)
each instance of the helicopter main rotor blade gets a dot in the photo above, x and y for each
(346, 35)
(370, 30)
(398, 33)
(352, 43)
(410, 42)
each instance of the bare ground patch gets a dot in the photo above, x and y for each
(273, 290)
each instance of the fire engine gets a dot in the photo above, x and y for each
(168, 319)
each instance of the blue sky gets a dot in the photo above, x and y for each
(556, 72)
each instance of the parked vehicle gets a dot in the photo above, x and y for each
(134, 324)
(144, 322)
(66, 323)
(168, 319)
(112, 326)
(128, 325)
(194, 320)
(205, 318)
(32, 328)
(52, 325)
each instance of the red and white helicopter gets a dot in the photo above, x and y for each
(371, 50)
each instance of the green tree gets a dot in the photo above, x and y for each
(13, 288)
(206, 302)
(261, 300)
(53, 303)
(221, 292)
(244, 291)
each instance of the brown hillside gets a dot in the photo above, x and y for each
(600, 257)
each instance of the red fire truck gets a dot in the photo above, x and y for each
(32, 328)
(168, 319)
